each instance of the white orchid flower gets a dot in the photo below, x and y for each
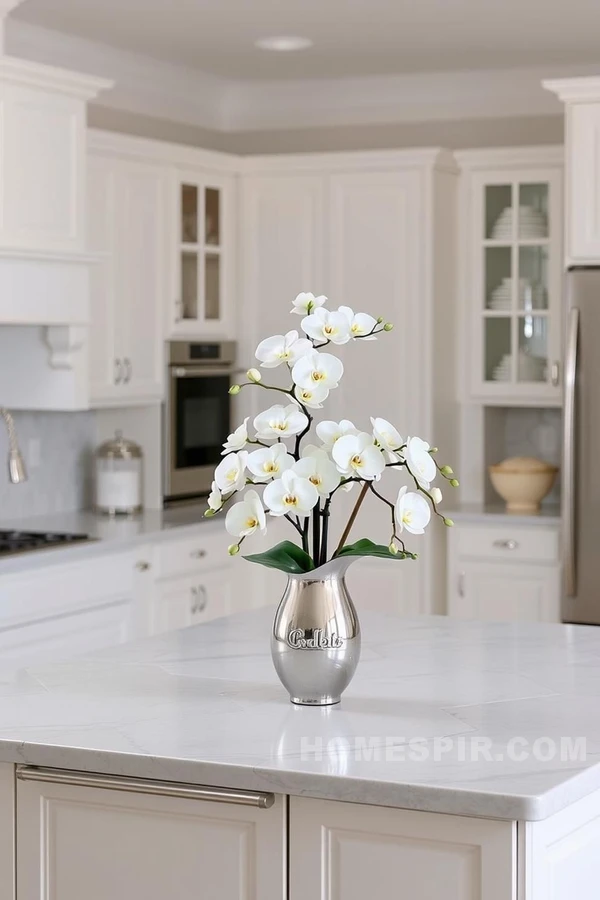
(282, 348)
(318, 369)
(323, 325)
(330, 432)
(230, 474)
(360, 324)
(246, 517)
(319, 469)
(419, 461)
(436, 495)
(215, 498)
(280, 422)
(387, 437)
(237, 440)
(312, 397)
(412, 511)
(269, 462)
(304, 303)
(290, 494)
(357, 455)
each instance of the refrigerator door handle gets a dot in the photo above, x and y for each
(570, 375)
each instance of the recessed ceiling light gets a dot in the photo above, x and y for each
(284, 43)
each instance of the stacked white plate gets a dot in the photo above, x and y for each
(532, 224)
(501, 296)
(502, 370)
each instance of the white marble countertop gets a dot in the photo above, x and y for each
(496, 514)
(106, 533)
(203, 705)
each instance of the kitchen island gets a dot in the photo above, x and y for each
(463, 762)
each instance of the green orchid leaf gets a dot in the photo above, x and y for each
(286, 557)
(365, 547)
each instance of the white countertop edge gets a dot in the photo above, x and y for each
(418, 797)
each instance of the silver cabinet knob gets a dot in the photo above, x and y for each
(198, 554)
(118, 374)
(199, 600)
(461, 584)
(128, 370)
(509, 544)
(142, 566)
(555, 374)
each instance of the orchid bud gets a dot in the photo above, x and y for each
(235, 389)
(380, 320)
(233, 549)
(208, 513)
(448, 522)
(433, 450)
(436, 495)
(388, 326)
(392, 548)
(446, 470)
(254, 375)
(454, 482)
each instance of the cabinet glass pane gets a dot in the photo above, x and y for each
(212, 223)
(189, 214)
(189, 285)
(533, 212)
(533, 278)
(212, 286)
(497, 360)
(498, 281)
(532, 362)
(498, 212)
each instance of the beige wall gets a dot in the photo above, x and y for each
(452, 134)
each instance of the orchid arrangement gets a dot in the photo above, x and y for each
(299, 480)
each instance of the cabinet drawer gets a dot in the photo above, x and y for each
(181, 602)
(191, 554)
(508, 543)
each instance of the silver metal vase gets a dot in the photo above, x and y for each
(315, 642)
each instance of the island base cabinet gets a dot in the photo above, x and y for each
(78, 842)
(346, 851)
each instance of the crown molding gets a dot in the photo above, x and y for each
(163, 90)
(132, 147)
(574, 90)
(510, 157)
(142, 84)
(417, 157)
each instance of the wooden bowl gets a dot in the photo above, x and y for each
(523, 482)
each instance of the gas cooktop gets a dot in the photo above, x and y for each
(22, 541)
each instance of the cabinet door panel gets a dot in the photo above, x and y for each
(76, 842)
(191, 600)
(507, 592)
(141, 243)
(343, 851)
(583, 220)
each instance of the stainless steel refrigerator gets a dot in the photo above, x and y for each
(581, 448)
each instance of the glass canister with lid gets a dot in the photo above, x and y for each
(119, 464)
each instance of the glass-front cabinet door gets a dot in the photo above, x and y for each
(514, 282)
(203, 255)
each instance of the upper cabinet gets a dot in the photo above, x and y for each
(203, 269)
(582, 99)
(511, 284)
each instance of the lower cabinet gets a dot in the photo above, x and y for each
(343, 851)
(180, 602)
(76, 842)
(508, 572)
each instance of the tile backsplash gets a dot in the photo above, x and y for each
(59, 479)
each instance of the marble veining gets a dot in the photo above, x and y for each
(203, 705)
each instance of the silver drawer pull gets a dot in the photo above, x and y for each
(509, 544)
(260, 799)
(198, 554)
(142, 566)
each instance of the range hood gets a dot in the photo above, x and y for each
(44, 270)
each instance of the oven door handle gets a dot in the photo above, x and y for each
(199, 371)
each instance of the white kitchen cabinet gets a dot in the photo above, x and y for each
(7, 831)
(180, 602)
(373, 231)
(582, 157)
(511, 236)
(203, 239)
(343, 851)
(127, 229)
(75, 841)
(504, 573)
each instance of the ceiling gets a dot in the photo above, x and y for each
(351, 37)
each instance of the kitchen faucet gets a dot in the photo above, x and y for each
(16, 466)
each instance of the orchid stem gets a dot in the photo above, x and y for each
(352, 518)
(316, 521)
